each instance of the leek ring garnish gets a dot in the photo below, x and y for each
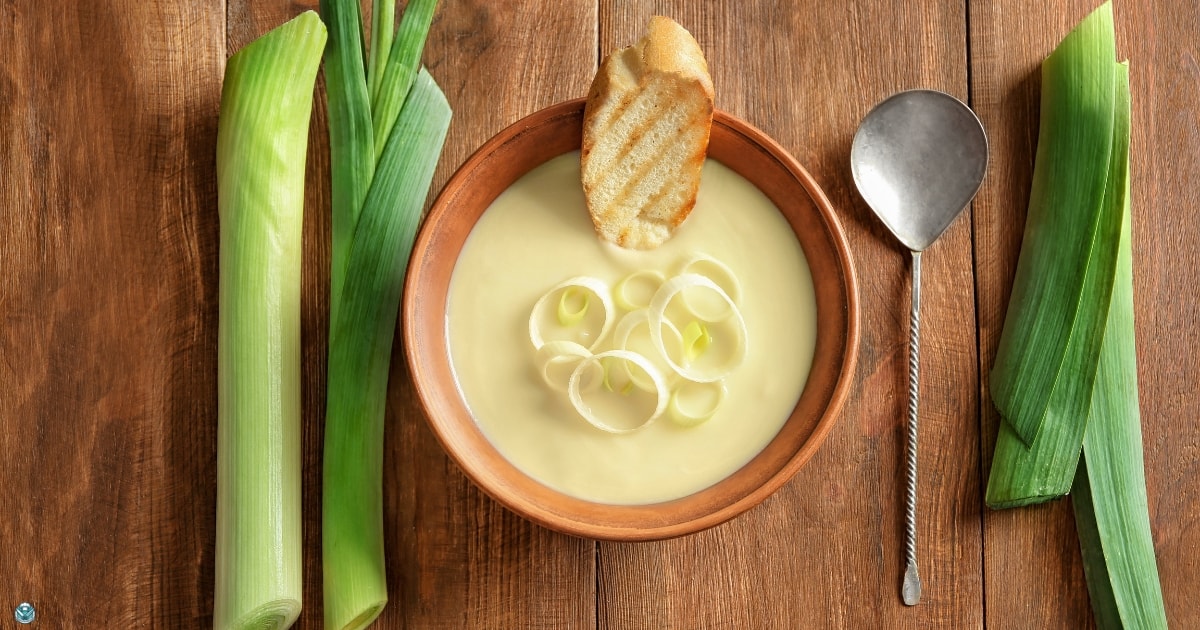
(651, 277)
(625, 328)
(656, 378)
(668, 369)
(587, 284)
(568, 316)
(682, 413)
(627, 388)
(657, 315)
(715, 270)
(554, 354)
(604, 368)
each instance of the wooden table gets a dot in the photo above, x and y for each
(108, 304)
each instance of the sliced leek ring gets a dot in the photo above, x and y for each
(625, 327)
(715, 270)
(682, 408)
(650, 277)
(656, 378)
(591, 285)
(657, 316)
(555, 354)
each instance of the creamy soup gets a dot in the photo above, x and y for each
(538, 234)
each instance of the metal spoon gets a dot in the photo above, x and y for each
(918, 159)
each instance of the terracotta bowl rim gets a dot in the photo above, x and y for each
(444, 429)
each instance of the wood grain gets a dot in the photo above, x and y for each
(108, 314)
(1160, 40)
(826, 551)
(108, 298)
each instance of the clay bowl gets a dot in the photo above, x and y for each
(500, 162)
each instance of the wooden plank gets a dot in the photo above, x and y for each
(1038, 545)
(826, 551)
(108, 299)
(1007, 45)
(1160, 40)
(455, 558)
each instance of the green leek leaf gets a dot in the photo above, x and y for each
(1023, 475)
(402, 64)
(1109, 495)
(1050, 345)
(383, 23)
(1109, 489)
(351, 152)
(379, 188)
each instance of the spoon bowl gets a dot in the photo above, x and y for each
(918, 159)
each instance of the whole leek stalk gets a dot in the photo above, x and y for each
(262, 141)
(376, 208)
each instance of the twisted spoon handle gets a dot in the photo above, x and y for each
(911, 590)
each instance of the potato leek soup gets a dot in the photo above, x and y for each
(622, 376)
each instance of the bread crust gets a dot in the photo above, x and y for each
(645, 136)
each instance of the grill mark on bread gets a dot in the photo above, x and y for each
(657, 197)
(635, 168)
(605, 114)
(627, 146)
(610, 143)
(623, 197)
(607, 97)
(647, 178)
(636, 193)
(659, 177)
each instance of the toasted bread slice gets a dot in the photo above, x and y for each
(645, 136)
